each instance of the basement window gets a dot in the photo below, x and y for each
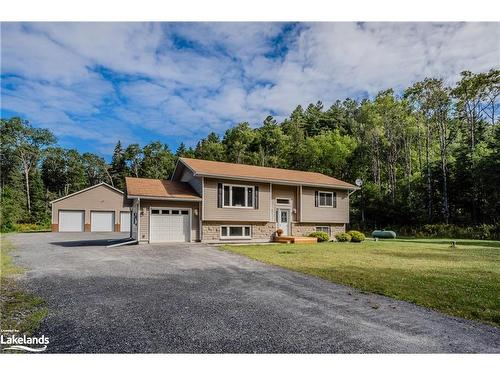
(324, 229)
(235, 232)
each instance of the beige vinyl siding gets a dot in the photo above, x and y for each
(100, 198)
(285, 191)
(313, 214)
(146, 206)
(195, 182)
(214, 213)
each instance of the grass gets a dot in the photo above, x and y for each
(19, 310)
(462, 281)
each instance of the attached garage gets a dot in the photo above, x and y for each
(164, 210)
(170, 225)
(98, 208)
(102, 221)
(71, 221)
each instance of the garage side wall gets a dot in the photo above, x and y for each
(145, 212)
(100, 198)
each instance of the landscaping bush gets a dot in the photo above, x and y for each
(356, 236)
(343, 237)
(26, 227)
(321, 236)
(479, 232)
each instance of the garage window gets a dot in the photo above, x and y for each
(235, 232)
(155, 212)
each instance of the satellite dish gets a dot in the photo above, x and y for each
(359, 182)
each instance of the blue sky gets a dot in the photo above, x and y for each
(95, 83)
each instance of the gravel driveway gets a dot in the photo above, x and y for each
(195, 298)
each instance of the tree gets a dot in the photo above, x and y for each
(269, 142)
(96, 169)
(27, 144)
(238, 141)
(210, 148)
(294, 143)
(476, 96)
(118, 168)
(329, 153)
(133, 157)
(184, 152)
(158, 161)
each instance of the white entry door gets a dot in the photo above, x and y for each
(125, 221)
(102, 221)
(283, 220)
(71, 221)
(170, 225)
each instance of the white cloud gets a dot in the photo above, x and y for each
(104, 81)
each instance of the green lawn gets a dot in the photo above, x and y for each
(462, 281)
(19, 310)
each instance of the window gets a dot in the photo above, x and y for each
(327, 199)
(155, 212)
(175, 212)
(238, 196)
(323, 229)
(165, 212)
(235, 231)
(282, 201)
(184, 212)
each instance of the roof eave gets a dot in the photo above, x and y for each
(283, 182)
(194, 199)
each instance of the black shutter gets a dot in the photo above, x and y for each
(316, 197)
(256, 200)
(219, 195)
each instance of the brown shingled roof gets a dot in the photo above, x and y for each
(252, 172)
(154, 188)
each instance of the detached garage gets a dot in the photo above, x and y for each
(99, 208)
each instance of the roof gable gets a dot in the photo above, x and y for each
(87, 189)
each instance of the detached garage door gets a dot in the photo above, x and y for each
(71, 221)
(102, 221)
(169, 225)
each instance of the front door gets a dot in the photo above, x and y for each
(283, 220)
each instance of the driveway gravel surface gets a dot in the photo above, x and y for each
(195, 298)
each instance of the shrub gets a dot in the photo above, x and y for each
(343, 237)
(321, 236)
(356, 236)
(478, 232)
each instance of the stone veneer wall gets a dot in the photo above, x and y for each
(303, 229)
(259, 231)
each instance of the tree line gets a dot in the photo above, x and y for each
(427, 155)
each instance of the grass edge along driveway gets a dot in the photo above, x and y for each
(462, 281)
(19, 310)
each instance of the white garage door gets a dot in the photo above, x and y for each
(125, 221)
(71, 221)
(169, 225)
(102, 221)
